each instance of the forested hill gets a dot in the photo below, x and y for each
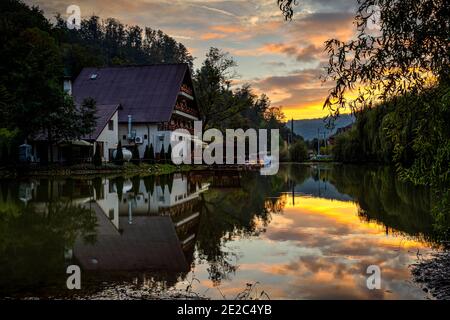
(36, 54)
(109, 42)
(308, 128)
(99, 42)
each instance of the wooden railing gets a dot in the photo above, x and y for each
(173, 127)
(186, 89)
(183, 107)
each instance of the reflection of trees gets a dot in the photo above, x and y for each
(297, 173)
(236, 212)
(33, 239)
(384, 198)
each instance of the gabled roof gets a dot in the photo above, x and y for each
(148, 93)
(104, 113)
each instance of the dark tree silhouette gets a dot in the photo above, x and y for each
(136, 158)
(162, 155)
(400, 47)
(151, 153)
(97, 160)
(119, 154)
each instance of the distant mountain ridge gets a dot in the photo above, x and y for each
(308, 128)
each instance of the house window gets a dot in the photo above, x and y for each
(111, 125)
(124, 137)
(145, 136)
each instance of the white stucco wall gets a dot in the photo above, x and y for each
(151, 130)
(109, 137)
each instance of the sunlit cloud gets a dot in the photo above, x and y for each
(212, 35)
(266, 47)
(318, 248)
(227, 28)
(218, 10)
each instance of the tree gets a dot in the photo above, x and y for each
(7, 138)
(119, 154)
(136, 158)
(32, 72)
(408, 52)
(162, 154)
(87, 119)
(146, 154)
(169, 154)
(97, 159)
(151, 153)
(31, 80)
(212, 87)
(298, 151)
(109, 42)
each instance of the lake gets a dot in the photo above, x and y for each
(310, 232)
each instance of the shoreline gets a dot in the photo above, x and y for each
(90, 170)
(432, 275)
(142, 169)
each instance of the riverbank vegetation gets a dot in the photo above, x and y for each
(399, 76)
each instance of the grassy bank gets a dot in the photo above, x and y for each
(142, 169)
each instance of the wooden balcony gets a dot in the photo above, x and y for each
(173, 127)
(188, 91)
(183, 107)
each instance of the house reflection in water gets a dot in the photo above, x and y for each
(149, 226)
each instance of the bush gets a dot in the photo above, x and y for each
(97, 160)
(146, 154)
(151, 154)
(136, 157)
(162, 155)
(347, 148)
(119, 154)
(298, 152)
(169, 154)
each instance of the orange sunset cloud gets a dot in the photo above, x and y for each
(212, 35)
(281, 59)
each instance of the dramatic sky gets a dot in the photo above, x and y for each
(282, 59)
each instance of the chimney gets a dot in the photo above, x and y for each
(129, 126)
(68, 85)
(67, 82)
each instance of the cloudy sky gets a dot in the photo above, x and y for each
(282, 59)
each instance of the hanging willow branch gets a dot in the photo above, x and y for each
(286, 6)
(410, 46)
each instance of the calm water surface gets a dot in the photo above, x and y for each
(308, 233)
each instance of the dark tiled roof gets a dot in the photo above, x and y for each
(104, 114)
(148, 93)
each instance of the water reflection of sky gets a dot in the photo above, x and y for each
(310, 238)
(321, 189)
(320, 249)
